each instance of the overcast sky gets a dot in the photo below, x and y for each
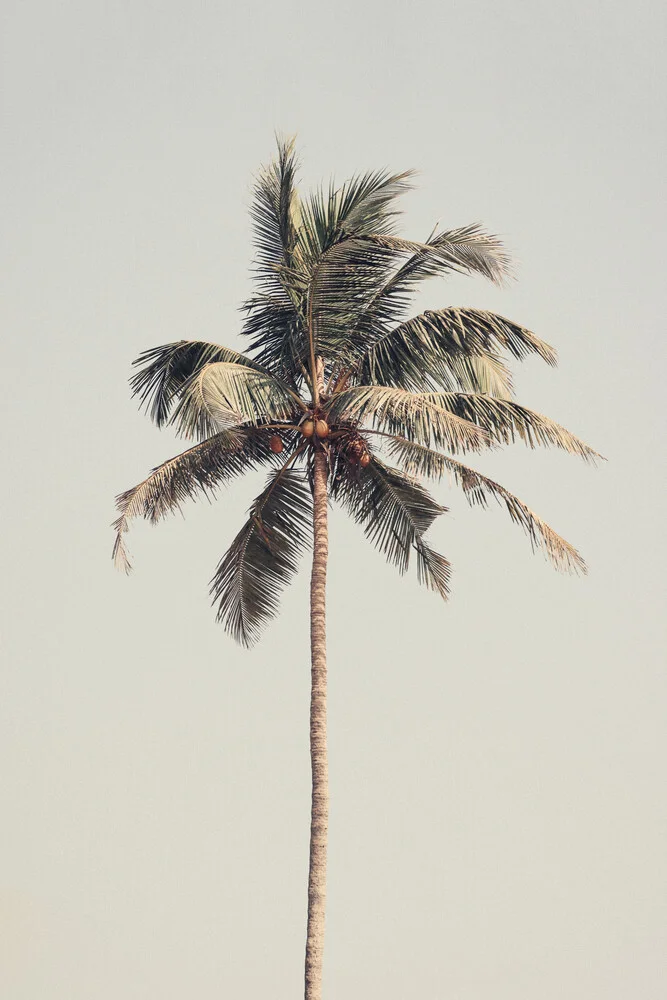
(498, 810)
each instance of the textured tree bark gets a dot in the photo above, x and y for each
(319, 816)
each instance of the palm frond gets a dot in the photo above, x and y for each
(417, 416)
(485, 373)
(395, 512)
(506, 421)
(433, 570)
(478, 489)
(164, 371)
(274, 316)
(363, 206)
(467, 250)
(428, 346)
(471, 250)
(480, 330)
(416, 355)
(344, 280)
(367, 202)
(273, 213)
(278, 336)
(263, 557)
(224, 395)
(349, 302)
(200, 470)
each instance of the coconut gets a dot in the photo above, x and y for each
(365, 460)
(275, 444)
(308, 428)
(322, 429)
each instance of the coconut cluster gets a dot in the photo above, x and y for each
(315, 428)
(357, 453)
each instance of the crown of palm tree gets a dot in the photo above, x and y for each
(334, 363)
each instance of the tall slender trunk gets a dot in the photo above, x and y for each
(319, 816)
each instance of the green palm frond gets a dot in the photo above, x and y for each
(417, 416)
(467, 250)
(362, 206)
(200, 470)
(480, 330)
(506, 421)
(278, 337)
(479, 373)
(478, 489)
(433, 570)
(393, 508)
(416, 356)
(164, 372)
(275, 317)
(264, 556)
(349, 301)
(367, 203)
(472, 250)
(273, 211)
(396, 511)
(426, 346)
(344, 282)
(223, 394)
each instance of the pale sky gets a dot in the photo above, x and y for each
(498, 808)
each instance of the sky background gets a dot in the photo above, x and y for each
(498, 808)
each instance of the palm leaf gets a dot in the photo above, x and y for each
(479, 373)
(433, 570)
(224, 394)
(274, 316)
(278, 336)
(479, 331)
(344, 282)
(469, 249)
(263, 557)
(395, 512)
(363, 206)
(346, 278)
(164, 372)
(200, 470)
(273, 211)
(427, 348)
(417, 416)
(349, 303)
(478, 489)
(367, 203)
(506, 421)
(415, 356)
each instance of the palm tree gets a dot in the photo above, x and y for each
(335, 385)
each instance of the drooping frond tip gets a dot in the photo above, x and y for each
(199, 471)
(263, 557)
(478, 489)
(395, 512)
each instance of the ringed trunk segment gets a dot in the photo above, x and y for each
(318, 735)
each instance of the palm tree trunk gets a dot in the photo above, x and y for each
(319, 816)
